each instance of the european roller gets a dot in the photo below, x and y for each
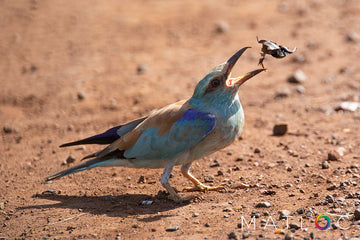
(177, 134)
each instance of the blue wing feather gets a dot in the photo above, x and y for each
(193, 126)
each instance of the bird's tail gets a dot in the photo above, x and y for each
(95, 162)
(75, 169)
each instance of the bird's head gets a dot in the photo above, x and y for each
(218, 86)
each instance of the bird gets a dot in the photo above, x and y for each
(177, 134)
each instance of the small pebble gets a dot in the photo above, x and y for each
(141, 179)
(329, 199)
(279, 129)
(325, 165)
(246, 235)
(300, 89)
(341, 151)
(70, 228)
(80, 148)
(353, 37)
(331, 188)
(357, 214)
(283, 93)
(263, 205)
(233, 235)
(257, 150)
(333, 156)
(8, 129)
(335, 225)
(209, 179)
(146, 202)
(300, 210)
(269, 192)
(298, 77)
(81, 96)
(309, 213)
(294, 226)
(289, 236)
(49, 192)
(195, 214)
(221, 27)
(207, 225)
(288, 167)
(228, 210)
(142, 68)
(284, 214)
(69, 160)
(173, 228)
(215, 164)
(348, 106)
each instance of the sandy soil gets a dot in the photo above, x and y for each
(69, 69)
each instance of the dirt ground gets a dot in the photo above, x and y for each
(71, 69)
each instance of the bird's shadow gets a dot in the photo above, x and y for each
(112, 206)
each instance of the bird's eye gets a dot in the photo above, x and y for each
(215, 83)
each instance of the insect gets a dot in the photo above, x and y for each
(273, 49)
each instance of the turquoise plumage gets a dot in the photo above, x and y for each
(177, 134)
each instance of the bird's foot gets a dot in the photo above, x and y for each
(242, 186)
(204, 188)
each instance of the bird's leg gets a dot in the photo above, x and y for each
(261, 60)
(185, 169)
(165, 182)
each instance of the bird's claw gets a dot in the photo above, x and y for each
(244, 186)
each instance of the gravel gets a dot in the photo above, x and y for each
(357, 214)
(279, 129)
(263, 205)
(325, 165)
(173, 228)
(284, 214)
(298, 77)
(233, 235)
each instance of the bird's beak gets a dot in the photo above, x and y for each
(229, 66)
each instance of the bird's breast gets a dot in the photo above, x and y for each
(229, 124)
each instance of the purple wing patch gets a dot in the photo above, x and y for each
(207, 119)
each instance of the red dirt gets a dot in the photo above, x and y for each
(52, 53)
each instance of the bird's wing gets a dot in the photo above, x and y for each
(193, 126)
(164, 134)
(108, 136)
